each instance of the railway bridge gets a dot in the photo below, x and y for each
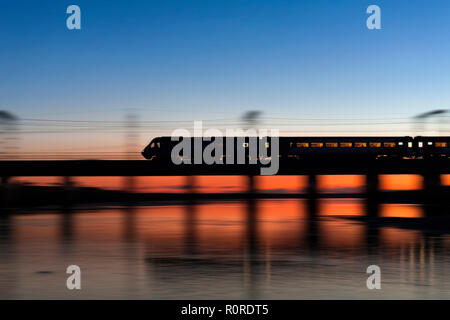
(430, 169)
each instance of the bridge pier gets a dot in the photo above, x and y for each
(372, 194)
(190, 186)
(251, 185)
(4, 192)
(5, 180)
(312, 195)
(68, 191)
(431, 181)
(434, 200)
(312, 186)
(129, 184)
(8, 192)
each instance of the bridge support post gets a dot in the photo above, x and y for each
(312, 195)
(433, 198)
(251, 186)
(4, 180)
(372, 194)
(4, 194)
(129, 183)
(312, 186)
(190, 187)
(431, 181)
(68, 191)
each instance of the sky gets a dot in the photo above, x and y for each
(311, 67)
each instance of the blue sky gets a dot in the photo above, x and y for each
(216, 59)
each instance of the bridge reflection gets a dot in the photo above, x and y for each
(229, 249)
(260, 256)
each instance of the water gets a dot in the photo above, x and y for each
(267, 249)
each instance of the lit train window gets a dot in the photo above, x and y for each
(345, 144)
(360, 144)
(441, 144)
(316, 144)
(331, 144)
(389, 144)
(409, 144)
(430, 143)
(302, 144)
(420, 144)
(400, 143)
(375, 144)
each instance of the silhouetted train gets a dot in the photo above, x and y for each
(160, 148)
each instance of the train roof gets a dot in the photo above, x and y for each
(309, 137)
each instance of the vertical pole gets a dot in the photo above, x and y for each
(68, 191)
(251, 187)
(372, 194)
(190, 187)
(312, 186)
(312, 195)
(433, 199)
(4, 191)
(130, 189)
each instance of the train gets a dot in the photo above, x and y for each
(295, 148)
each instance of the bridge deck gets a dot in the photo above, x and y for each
(148, 168)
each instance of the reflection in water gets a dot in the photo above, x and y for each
(251, 258)
(66, 228)
(190, 239)
(268, 249)
(129, 223)
(312, 224)
(8, 278)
